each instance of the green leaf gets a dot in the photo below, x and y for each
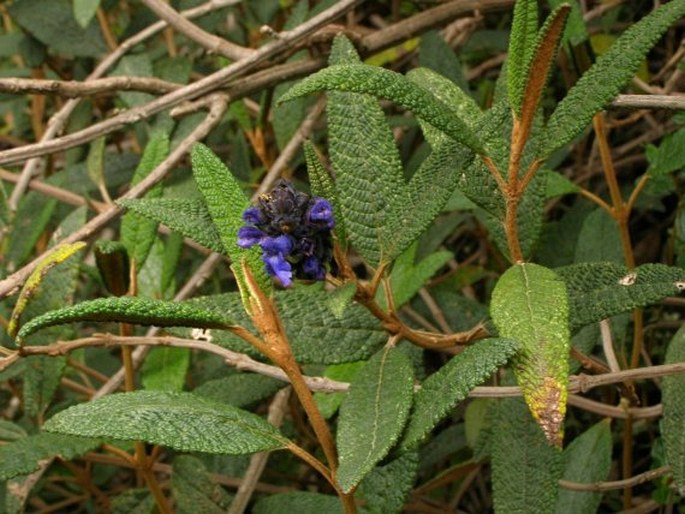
(300, 502)
(322, 185)
(600, 290)
(340, 298)
(84, 10)
(226, 203)
(137, 232)
(669, 156)
(586, 460)
(451, 384)
(24, 455)
(95, 162)
(521, 47)
(126, 309)
(111, 259)
(367, 164)
(408, 276)
(187, 217)
(673, 400)
(241, 389)
(10, 431)
(53, 24)
(133, 501)
(41, 377)
(29, 224)
(604, 80)
(437, 55)
(525, 468)
(165, 368)
(373, 415)
(386, 488)
(530, 305)
(599, 239)
(315, 335)
(182, 421)
(134, 65)
(194, 490)
(371, 80)
(329, 403)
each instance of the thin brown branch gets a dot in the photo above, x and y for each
(655, 102)
(633, 481)
(212, 43)
(77, 89)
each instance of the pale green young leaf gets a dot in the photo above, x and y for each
(165, 368)
(226, 203)
(371, 80)
(24, 455)
(138, 232)
(599, 290)
(187, 217)
(604, 80)
(95, 162)
(525, 467)
(586, 460)
(445, 388)
(373, 415)
(409, 276)
(129, 309)
(530, 305)
(673, 399)
(298, 501)
(194, 490)
(182, 421)
(84, 10)
(367, 164)
(340, 298)
(521, 46)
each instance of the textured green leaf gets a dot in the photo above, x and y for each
(226, 203)
(300, 502)
(137, 232)
(240, 389)
(165, 368)
(136, 310)
(445, 388)
(530, 305)
(371, 80)
(386, 488)
(600, 290)
(188, 217)
(367, 164)
(586, 460)
(329, 403)
(10, 431)
(194, 490)
(521, 46)
(23, 455)
(604, 80)
(322, 185)
(315, 334)
(673, 398)
(84, 10)
(525, 468)
(53, 24)
(182, 421)
(373, 415)
(30, 222)
(437, 55)
(41, 379)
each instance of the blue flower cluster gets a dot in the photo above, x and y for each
(293, 230)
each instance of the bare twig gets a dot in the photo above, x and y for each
(642, 478)
(667, 102)
(211, 42)
(76, 89)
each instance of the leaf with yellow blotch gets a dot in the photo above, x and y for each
(530, 305)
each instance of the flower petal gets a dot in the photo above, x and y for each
(253, 215)
(249, 236)
(282, 245)
(312, 267)
(278, 267)
(321, 211)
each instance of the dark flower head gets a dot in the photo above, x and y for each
(294, 232)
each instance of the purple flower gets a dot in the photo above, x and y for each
(249, 236)
(294, 232)
(278, 267)
(253, 216)
(282, 245)
(321, 210)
